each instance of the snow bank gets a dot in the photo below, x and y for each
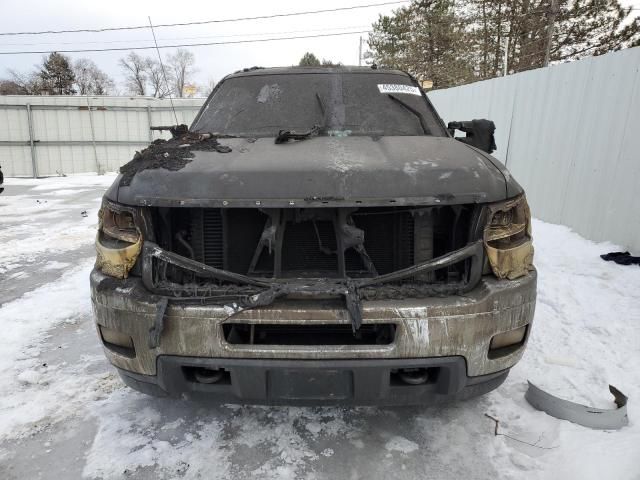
(586, 335)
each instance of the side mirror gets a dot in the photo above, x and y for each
(479, 133)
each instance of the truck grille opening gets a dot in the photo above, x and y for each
(325, 334)
(309, 247)
(312, 243)
(389, 237)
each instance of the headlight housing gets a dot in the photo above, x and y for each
(507, 238)
(118, 242)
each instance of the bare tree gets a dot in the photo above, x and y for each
(135, 70)
(90, 80)
(153, 69)
(9, 87)
(180, 70)
(24, 83)
(82, 70)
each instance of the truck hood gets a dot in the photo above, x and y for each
(343, 171)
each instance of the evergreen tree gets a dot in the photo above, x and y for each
(309, 60)
(426, 39)
(56, 75)
(581, 28)
(452, 43)
(593, 27)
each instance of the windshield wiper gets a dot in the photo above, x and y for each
(423, 122)
(285, 135)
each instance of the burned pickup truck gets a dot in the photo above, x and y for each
(315, 236)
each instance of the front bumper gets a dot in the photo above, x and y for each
(451, 334)
(314, 382)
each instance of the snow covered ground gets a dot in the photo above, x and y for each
(65, 414)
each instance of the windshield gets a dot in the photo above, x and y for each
(340, 103)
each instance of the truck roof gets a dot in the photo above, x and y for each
(302, 70)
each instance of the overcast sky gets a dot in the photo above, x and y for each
(213, 62)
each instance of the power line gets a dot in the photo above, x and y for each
(231, 42)
(204, 22)
(256, 34)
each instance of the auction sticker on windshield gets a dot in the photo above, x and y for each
(398, 88)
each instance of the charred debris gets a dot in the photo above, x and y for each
(171, 154)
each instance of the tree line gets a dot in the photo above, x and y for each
(57, 74)
(310, 60)
(455, 42)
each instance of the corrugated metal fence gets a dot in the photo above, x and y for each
(570, 134)
(49, 135)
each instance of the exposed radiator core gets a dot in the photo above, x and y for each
(308, 242)
(207, 237)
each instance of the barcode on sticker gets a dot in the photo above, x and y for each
(398, 88)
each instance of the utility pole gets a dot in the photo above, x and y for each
(550, 29)
(360, 52)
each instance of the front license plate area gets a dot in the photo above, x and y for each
(310, 384)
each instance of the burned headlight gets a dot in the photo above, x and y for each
(507, 238)
(118, 242)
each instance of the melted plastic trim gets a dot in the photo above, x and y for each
(472, 249)
(598, 418)
(118, 241)
(349, 289)
(117, 262)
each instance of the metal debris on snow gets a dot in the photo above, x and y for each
(598, 418)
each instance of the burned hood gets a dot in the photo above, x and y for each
(344, 171)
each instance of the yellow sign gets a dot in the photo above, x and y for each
(189, 89)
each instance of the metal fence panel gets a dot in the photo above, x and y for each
(570, 135)
(77, 134)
